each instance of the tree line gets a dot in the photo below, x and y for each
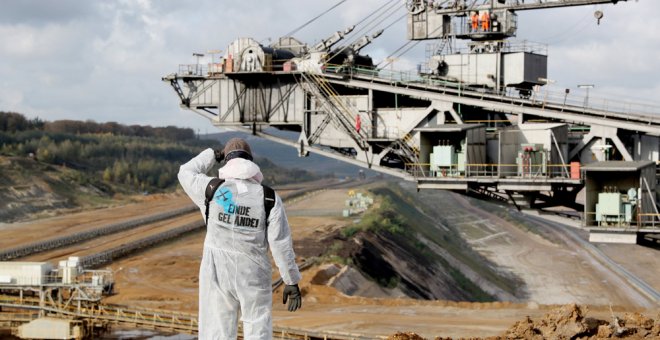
(136, 157)
(14, 122)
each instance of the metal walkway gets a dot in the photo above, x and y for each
(162, 320)
(113, 314)
(540, 105)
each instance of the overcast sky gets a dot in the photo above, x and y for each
(103, 60)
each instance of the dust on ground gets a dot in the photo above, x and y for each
(570, 322)
(16, 234)
(556, 270)
(165, 277)
(643, 261)
(323, 203)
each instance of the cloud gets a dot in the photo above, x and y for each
(41, 13)
(103, 60)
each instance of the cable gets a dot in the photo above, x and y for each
(313, 19)
(392, 5)
(395, 21)
(573, 35)
(580, 25)
(392, 57)
(374, 12)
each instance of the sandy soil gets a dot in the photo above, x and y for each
(114, 240)
(141, 278)
(165, 277)
(317, 213)
(323, 203)
(16, 234)
(643, 261)
(558, 272)
(554, 273)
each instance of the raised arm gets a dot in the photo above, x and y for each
(193, 178)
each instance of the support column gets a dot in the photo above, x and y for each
(602, 133)
(621, 147)
(42, 302)
(455, 115)
(584, 143)
(367, 156)
(372, 113)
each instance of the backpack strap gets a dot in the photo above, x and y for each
(211, 188)
(215, 183)
(269, 200)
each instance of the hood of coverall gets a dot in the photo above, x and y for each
(240, 168)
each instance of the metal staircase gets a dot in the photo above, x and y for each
(342, 114)
(411, 151)
(484, 193)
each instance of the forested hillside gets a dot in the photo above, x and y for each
(101, 159)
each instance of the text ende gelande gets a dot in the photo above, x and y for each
(242, 218)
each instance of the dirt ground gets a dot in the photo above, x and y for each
(139, 278)
(324, 203)
(16, 234)
(113, 240)
(555, 275)
(555, 269)
(165, 277)
(643, 261)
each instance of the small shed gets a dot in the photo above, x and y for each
(452, 147)
(620, 194)
(534, 149)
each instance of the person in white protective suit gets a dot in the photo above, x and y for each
(235, 273)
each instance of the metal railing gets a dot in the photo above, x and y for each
(56, 277)
(30, 280)
(343, 113)
(543, 98)
(468, 170)
(193, 70)
(564, 100)
(157, 319)
(210, 69)
(150, 318)
(507, 46)
(639, 221)
(18, 317)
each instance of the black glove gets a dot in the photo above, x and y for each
(219, 155)
(292, 292)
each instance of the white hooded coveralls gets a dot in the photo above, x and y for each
(235, 271)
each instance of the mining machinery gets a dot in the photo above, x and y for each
(475, 120)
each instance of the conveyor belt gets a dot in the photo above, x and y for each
(88, 235)
(568, 113)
